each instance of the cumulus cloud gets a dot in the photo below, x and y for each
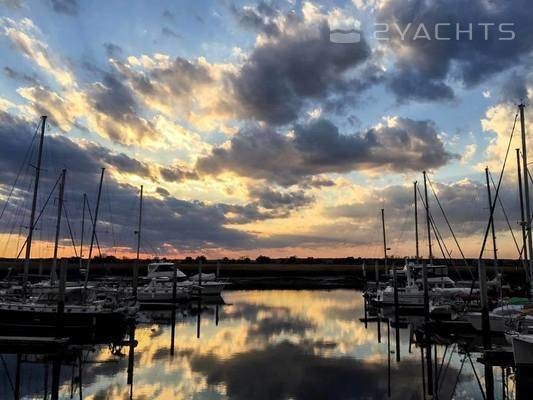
(193, 90)
(273, 199)
(176, 173)
(400, 144)
(426, 69)
(465, 203)
(171, 224)
(293, 62)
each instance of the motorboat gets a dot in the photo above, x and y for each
(502, 319)
(522, 347)
(164, 270)
(162, 273)
(410, 286)
(162, 291)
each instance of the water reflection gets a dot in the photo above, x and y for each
(258, 345)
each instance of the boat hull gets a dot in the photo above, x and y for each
(33, 323)
(498, 323)
(523, 351)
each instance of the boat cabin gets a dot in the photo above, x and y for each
(164, 270)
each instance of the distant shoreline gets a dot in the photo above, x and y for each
(274, 274)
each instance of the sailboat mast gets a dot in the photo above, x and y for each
(58, 224)
(526, 193)
(93, 235)
(82, 227)
(416, 222)
(33, 206)
(137, 260)
(522, 219)
(384, 237)
(492, 223)
(428, 221)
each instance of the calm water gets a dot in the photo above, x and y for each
(266, 345)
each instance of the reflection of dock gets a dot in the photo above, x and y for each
(13, 344)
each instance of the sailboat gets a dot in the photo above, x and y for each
(506, 317)
(69, 310)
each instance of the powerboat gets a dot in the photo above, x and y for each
(161, 275)
(164, 270)
(522, 347)
(502, 319)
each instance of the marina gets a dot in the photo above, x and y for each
(266, 200)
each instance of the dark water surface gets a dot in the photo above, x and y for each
(267, 345)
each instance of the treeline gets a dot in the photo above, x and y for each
(262, 259)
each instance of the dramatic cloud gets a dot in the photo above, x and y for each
(176, 174)
(263, 18)
(192, 90)
(117, 112)
(294, 62)
(465, 203)
(399, 145)
(272, 199)
(171, 224)
(425, 69)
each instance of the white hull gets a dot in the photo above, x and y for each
(162, 295)
(211, 288)
(404, 299)
(522, 348)
(499, 323)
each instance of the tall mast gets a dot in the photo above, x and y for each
(58, 223)
(33, 206)
(492, 223)
(416, 222)
(136, 267)
(526, 194)
(384, 237)
(427, 335)
(82, 227)
(522, 220)
(428, 221)
(93, 235)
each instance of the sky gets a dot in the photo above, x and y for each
(254, 130)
